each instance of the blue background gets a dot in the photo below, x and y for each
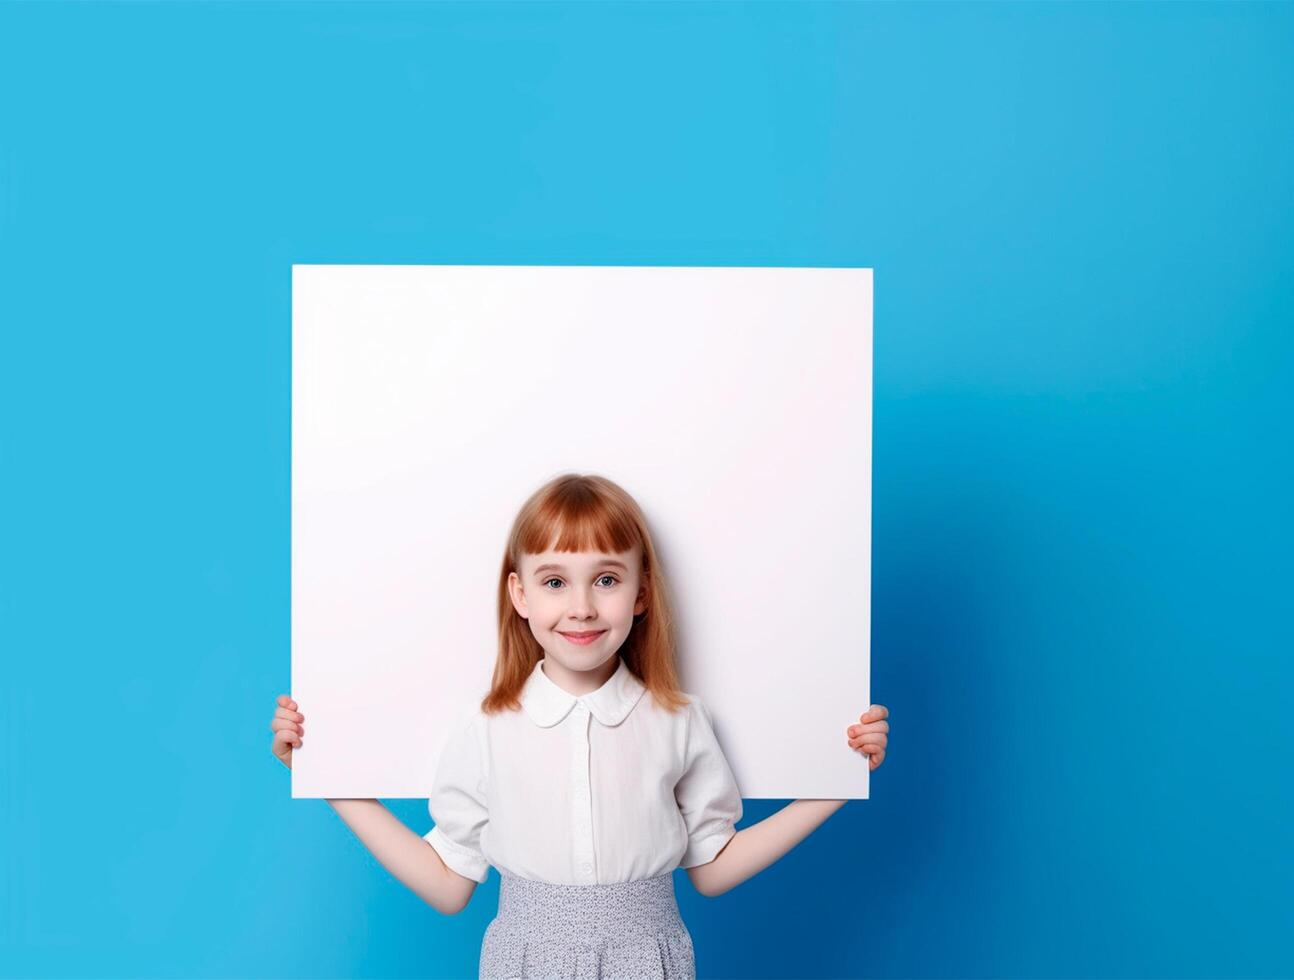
(1080, 223)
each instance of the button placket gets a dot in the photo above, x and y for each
(581, 796)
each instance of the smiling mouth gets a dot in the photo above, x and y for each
(582, 637)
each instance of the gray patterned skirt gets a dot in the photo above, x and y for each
(588, 932)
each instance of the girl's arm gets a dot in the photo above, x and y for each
(750, 851)
(406, 855)
(754, 848)
(397, 848)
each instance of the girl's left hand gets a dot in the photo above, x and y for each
(869, 736)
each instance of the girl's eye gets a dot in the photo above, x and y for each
(600, 578)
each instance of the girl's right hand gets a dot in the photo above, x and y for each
(287, 728)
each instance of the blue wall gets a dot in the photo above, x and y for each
(1080, 220)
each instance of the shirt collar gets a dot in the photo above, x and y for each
(610, 704)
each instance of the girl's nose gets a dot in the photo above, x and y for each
(582, 605)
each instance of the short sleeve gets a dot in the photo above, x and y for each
(458, 803)
(707, 793)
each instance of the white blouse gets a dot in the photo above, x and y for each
(598, 789)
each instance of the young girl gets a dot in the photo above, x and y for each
(585, 776)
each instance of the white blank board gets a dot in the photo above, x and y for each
(428, 402)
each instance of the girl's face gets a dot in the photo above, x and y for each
(580, 604)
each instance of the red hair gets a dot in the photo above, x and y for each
(576, 512)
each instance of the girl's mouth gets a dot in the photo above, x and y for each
(583, 639)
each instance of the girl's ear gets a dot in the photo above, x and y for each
(640, 604)
(517, 595)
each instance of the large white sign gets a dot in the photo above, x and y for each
(428, 402)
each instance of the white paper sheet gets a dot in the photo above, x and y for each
(735, 404)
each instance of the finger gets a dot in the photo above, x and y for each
(283, 725)
(872, 738)
(874, 713)
(878, 758)
(289, 714)
(871, 726)
(283, 701)
(286, 739)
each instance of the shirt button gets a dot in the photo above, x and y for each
(586, 867)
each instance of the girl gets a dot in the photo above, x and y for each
(585, 776)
